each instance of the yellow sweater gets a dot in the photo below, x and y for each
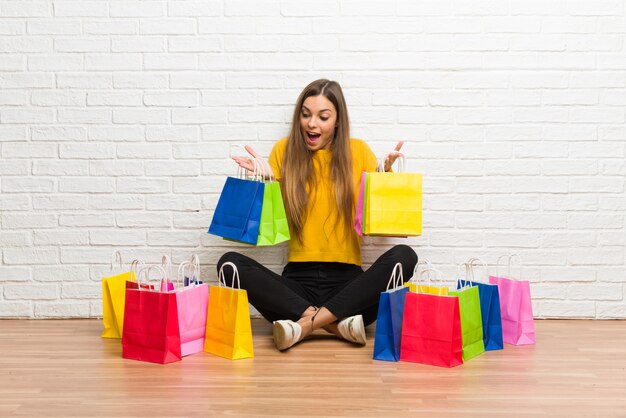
(323, 237)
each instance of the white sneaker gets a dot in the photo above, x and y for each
(352, 329)
(286, 333)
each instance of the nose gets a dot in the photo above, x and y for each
(311, 123)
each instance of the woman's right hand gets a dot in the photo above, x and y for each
(249, 163)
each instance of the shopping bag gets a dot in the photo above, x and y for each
(151, 331)
(489, 306)
(389, 320)
(192, 301)
(431, 330)
(358, 215)
(228, 327)
(273, 228)
(113, 297)
(516, 308)
(471, 321)
(238, 212)
(393, 203)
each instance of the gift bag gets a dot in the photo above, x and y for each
(516, 307)
(228, 328)
(471, 320)
(192, 302)
(273, 228)
(113, 297)
(151, 331)
(489, 306)
(389, 320)
(431, 330)
(393, 203)
(238, 212)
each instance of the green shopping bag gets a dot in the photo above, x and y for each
(274, 228)
(471, 321)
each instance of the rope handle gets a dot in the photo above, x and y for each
(510, 257)
(145, 272)
(116, 260)
(396, 278)
(235, 275)
(439, 279)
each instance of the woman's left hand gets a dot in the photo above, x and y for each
(393, 156)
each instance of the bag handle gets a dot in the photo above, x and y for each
(465, 282)
(473, 262)
(166, 263)
(396, 278)
(146, 272)
(195, 260)
(180, 276)
(380, 166)
(135, 266)
(439, 275)
(116, 260)
(221, 279)
(265, 165)
(510, 257)
(416, 269)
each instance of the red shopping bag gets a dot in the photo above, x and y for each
(431, 330)
(151, 330)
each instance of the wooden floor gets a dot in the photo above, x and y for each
(55, 368)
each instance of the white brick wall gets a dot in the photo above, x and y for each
(117, 120)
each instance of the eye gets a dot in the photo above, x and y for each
(305, 115)
(324, 118)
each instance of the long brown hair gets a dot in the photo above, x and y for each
(297, 168)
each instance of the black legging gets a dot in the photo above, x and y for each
(344, 289)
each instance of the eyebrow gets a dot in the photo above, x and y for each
(323, 110)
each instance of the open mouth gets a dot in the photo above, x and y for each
(312, 137)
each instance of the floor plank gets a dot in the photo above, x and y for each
(59, 368)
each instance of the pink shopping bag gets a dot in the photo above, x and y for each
(518, 327)
(192, 302)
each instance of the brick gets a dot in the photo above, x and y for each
(174, 169)
(190, 116)
(529, 203)
(26, 115)
(144, 151)
(138, 44)
(14, 202)
(86, 151)
(29, 255)
(111, 27)
(86, 116)
(15, 239)
(61, 237)
(115, 168)
(143, 80)
(539, 221)
(569, 202)
(172, 134)
(13, 98)
(60, 273)
(611, 310)
(58, 133)
(195, 44)
(116, 202)
(113, 62)
(117, 237)
(195, 185)
(63, 309)
(108, 98)
(173, 203)
(568, 239)
(140, 116)
(597, 185)
(26, 80)
(28, 184)
(181, 151)
(16, 309)
(31, 291)
(60, 168)
(86, 185)
(14, 168)
(62, 202)
(80, 44)
(235, 25)
(511, 240)
(171, 98)
(594, 291)
(595, 221)
(138, 9)
(173, 239)
(144, 220)
(171, 26)
(81, 9)
(13, 133)
(194, 8)
(13, 63)
(84, 81)
(244, 8)
(116, 133)
(86, 220)
(142, 185)
(81, 290)
(596, 257)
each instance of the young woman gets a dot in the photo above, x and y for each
(323, 286)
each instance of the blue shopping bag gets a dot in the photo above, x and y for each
(490, 313)
(388, 335)
(238, 212)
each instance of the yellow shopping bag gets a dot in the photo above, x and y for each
(114, 297)
(228, 328)
(393, 204)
